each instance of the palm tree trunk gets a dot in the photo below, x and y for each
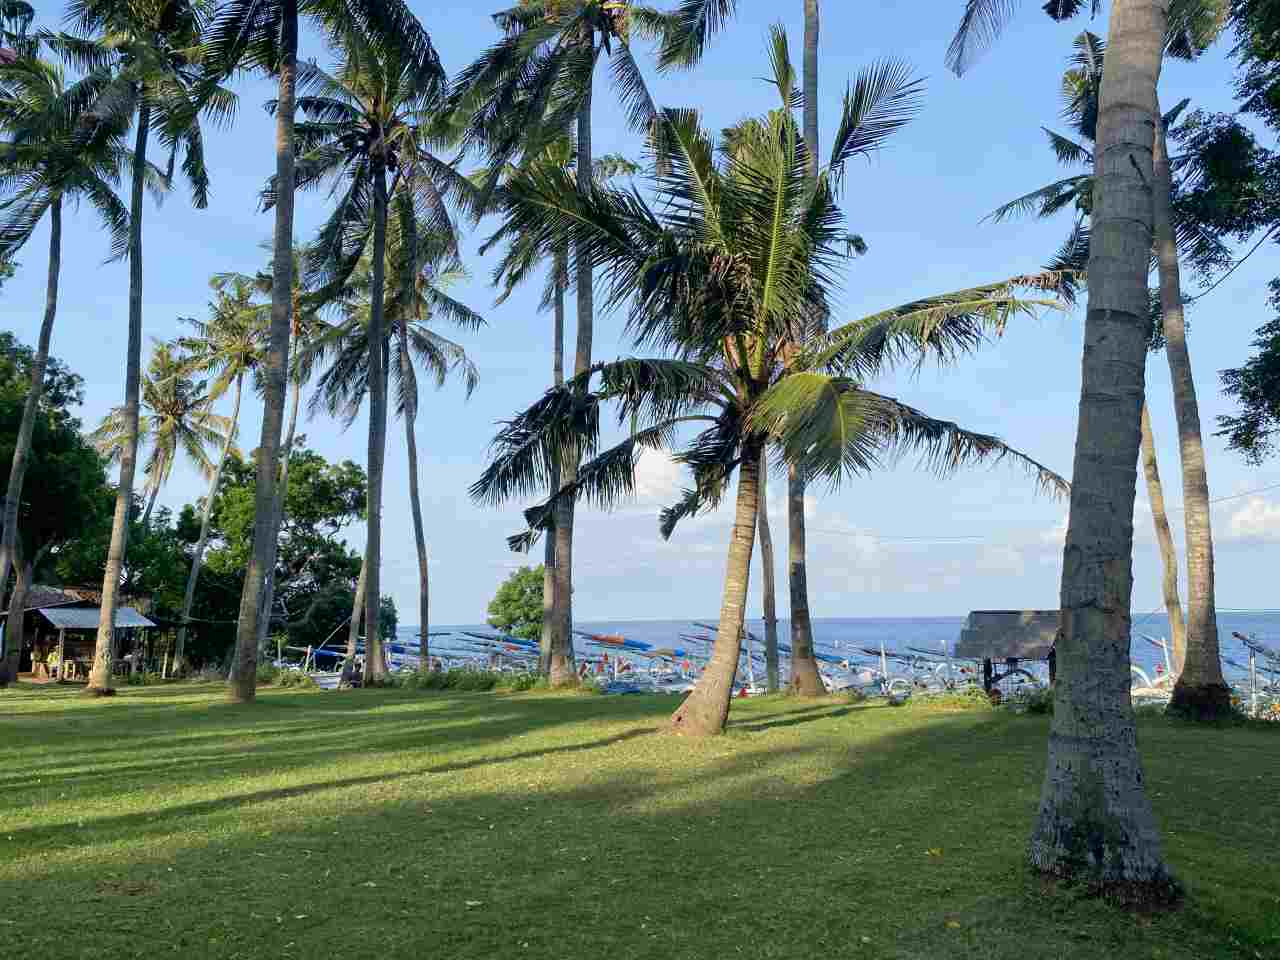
(769, 580)
(375, 664)
(100, 674)
(805, 679)
(23, 571)
(549, 606)
(1201, 691)
(1095, 821)
(197, 555)
(563, 670)
(155, 492)
(275, 370)
(357, 611)
(22, 447)
(415, 501)
(1164, 538)
(277, 521)
(706, 709)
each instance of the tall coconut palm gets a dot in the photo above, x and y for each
(145, 50)
(341, 353)
(1080, 86)
(719, 272)
(227, 347)
(49, 156)
(519, 97)
(517, 264)
(1095, 820)
(363, 127)
(177, 420)
(263, 35)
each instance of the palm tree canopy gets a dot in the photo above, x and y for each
(378, 113)
(341, 349)
(737, 253)
(177, 418)
(53, 150)
(231, 344)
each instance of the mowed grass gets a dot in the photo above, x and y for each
(383, 824)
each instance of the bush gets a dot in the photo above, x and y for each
(297, 680)
(519, 681)
(141, 679)
(267, 673)
(1041, 701)
(209, 674)
(966, 698)
(456, 679)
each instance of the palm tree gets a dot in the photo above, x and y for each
(720, 272)
(228, 347)
(344, 349)
(685, 36)
(1080, 86)
(519, 97)
(145, 54)
(1095, 820)
(263, 35)
(366, 122)
(178, 420)
(50, 156)
(517, 264)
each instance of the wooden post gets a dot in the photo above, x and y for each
(62, 652)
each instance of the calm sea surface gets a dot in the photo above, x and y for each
(847, 636)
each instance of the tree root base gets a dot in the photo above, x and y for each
(98, 692)
(1201, 703)
(1161, 894)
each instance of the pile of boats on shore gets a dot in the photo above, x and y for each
(619, 665)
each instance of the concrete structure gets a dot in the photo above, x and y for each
(1009, 636)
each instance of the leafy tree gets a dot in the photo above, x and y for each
(55, 150)
(736, 252)
(516, 608)
(67, 493)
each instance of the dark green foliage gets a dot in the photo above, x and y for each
(1256, 387)
(461, 680)
(517, 606)
(1040, 702)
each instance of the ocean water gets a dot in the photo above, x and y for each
(849, 636)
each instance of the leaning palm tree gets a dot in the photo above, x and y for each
(518, 98)
(53, 152)
(177, 420)
(737, 253)
(227, 347)
(363, 128)
(1095, 821)
(518, 262)
(145, 52)
(252, 35)
(342, 353)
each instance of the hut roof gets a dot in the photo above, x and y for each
(86, 618)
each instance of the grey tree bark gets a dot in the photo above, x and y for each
(1095, 821)
(1164, 540)
(805, 679)
(706, 709)
(1201, 691)
(768, 580)
(415, 501)
(23, 568)
(197, 555)
(100, 673)
(375, 663)
(30, 408)
(549, 606)
(562, 671)
(275, 371)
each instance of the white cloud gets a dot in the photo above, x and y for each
(658, 477)
(1258, 520)
(1057, 536)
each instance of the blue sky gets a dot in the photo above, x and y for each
(896, 543)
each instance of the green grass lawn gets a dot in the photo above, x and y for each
(388, 824)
